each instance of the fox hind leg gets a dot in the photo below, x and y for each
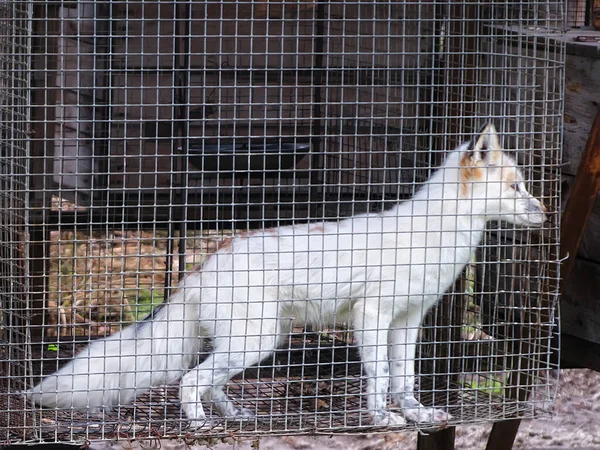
(225, 406)
(230, 356)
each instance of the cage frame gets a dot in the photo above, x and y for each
(41, 115)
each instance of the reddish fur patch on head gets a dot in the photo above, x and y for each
(470, 171)
(510, 177)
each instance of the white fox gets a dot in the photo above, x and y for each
(379, 272)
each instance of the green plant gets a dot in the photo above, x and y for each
(486, 385)
(144, 301)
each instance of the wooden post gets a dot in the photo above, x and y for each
(503, 434)
(581, 200)
(439, 440)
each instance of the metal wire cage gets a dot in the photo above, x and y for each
(137, 135)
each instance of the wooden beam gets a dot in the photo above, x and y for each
(503, 434)
(581, 201)
(579, 353)
(439, 440)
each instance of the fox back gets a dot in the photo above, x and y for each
(315, 273)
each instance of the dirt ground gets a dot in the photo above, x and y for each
(575, 424)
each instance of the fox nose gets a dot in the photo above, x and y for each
(534, 206)
(547, 215)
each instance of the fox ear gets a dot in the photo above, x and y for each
(485, 142)
(487, 139)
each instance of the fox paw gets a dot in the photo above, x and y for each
(243, 413)
(387, 418)
(422, 414)
(201, 424)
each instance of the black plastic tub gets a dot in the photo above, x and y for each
(253, 157)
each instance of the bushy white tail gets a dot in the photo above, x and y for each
(117, 369)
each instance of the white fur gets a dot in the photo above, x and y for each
(380, 272)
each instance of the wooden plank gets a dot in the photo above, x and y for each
(439, 440)
(582, 97)
(503, 434)
(580, 308)
(579, 353)
(589, 247)
(581, 201)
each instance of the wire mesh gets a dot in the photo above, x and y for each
(142, 138)
(14, 165)
(579, 13)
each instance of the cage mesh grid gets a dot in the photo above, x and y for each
(579, 13)
(330, 109)
(14, 130)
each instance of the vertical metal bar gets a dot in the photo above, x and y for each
(180, 141)
(43, 101)
(103, 111)
(183, 100)
(317, 177)
(465, 31)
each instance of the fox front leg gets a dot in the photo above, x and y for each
(403, 343)
(371, 330)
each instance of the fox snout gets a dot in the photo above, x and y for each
(536, 213)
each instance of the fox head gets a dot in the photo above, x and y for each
(492, 181)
